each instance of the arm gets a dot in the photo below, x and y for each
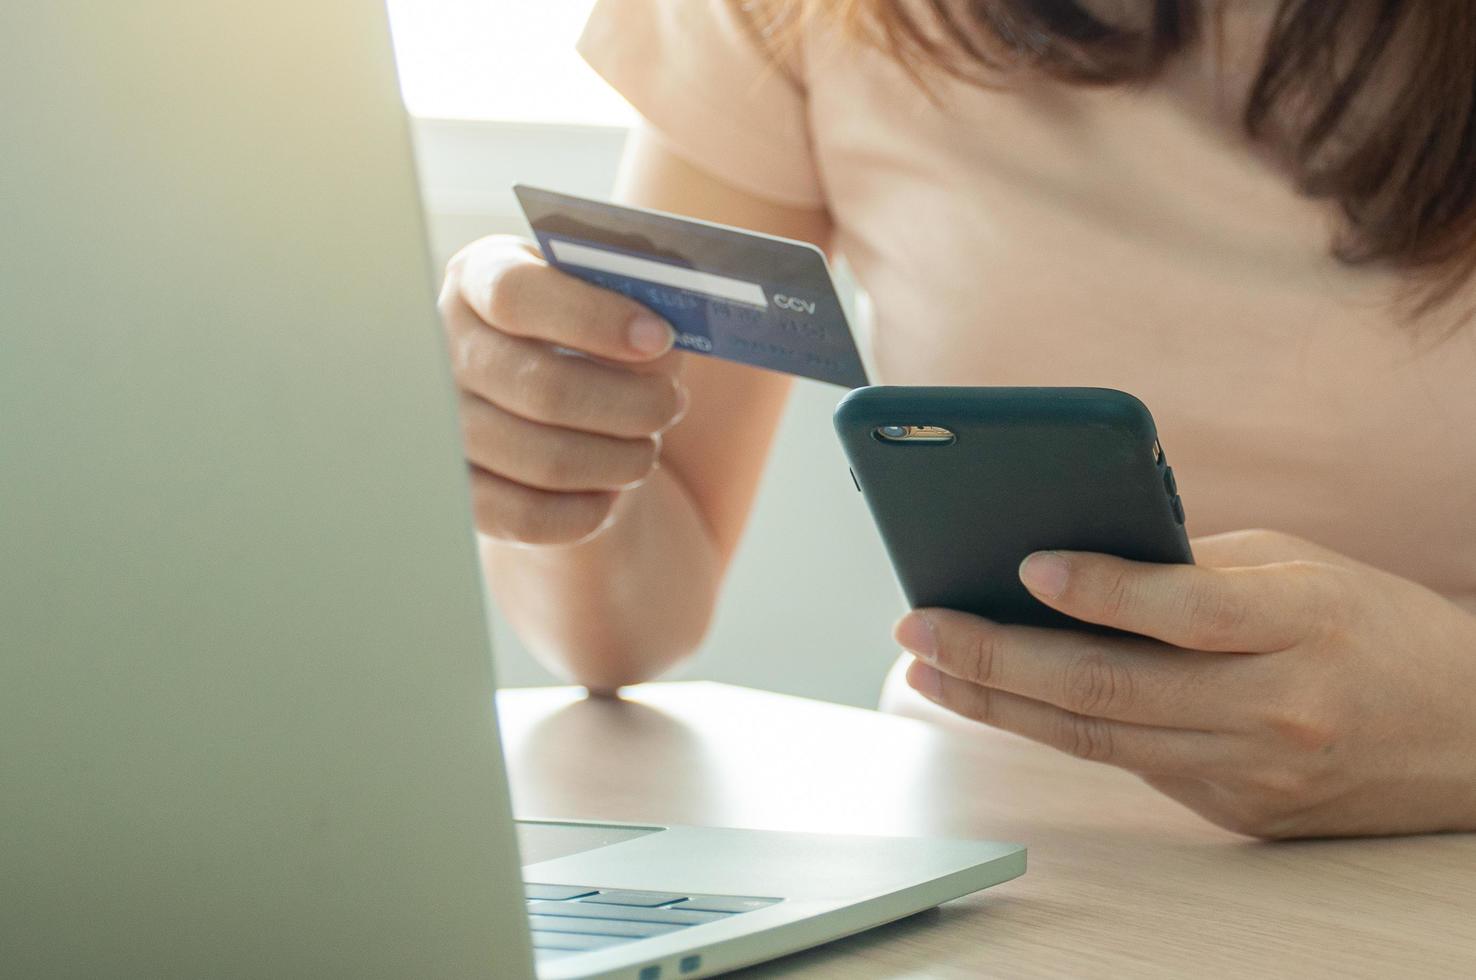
(638, 596)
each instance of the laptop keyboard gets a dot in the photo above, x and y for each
(569, 919)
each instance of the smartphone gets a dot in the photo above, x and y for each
(964, 483)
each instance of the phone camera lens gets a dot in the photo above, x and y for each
(893, 431)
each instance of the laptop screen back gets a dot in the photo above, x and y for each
(246, 718)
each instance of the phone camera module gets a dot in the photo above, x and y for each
(921, 435)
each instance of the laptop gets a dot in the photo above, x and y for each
(247, 720)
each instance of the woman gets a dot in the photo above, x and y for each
(1260, 218)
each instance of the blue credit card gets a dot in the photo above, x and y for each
(738, 295)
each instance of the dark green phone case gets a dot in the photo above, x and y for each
(1030, 469)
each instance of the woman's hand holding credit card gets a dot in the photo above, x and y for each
(551, 439)
(554, 439)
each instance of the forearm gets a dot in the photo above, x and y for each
(638, 597)
(624, 606)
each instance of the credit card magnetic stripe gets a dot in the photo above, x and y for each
(660, 273)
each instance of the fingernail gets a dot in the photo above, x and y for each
(925, 680)
(915, 633)
(1045, 573)
(649, 334)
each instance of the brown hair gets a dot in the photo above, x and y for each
(1369, 103)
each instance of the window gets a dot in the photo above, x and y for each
(504, 60)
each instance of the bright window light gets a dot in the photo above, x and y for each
(500, 59)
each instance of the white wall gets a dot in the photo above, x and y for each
(810, 599)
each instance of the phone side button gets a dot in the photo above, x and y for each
(853, 479)
(1178, 506)
(1169, 483)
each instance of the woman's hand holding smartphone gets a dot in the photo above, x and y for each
(1276, 688)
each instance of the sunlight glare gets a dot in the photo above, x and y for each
(500, 59)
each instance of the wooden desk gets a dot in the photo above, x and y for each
(1122, 881)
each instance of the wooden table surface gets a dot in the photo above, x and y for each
(1121, 881)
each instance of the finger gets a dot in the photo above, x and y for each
(1260, 609)
(533, 381)
(1104, 677)
(522, 295)
(1239, 549)
(518, 514)
(547, 457)
(1139, 748)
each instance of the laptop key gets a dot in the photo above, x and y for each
(725, 903)
(624, 913)
(601, 927)
(574, 941)
(642, 899)
(555, 893)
